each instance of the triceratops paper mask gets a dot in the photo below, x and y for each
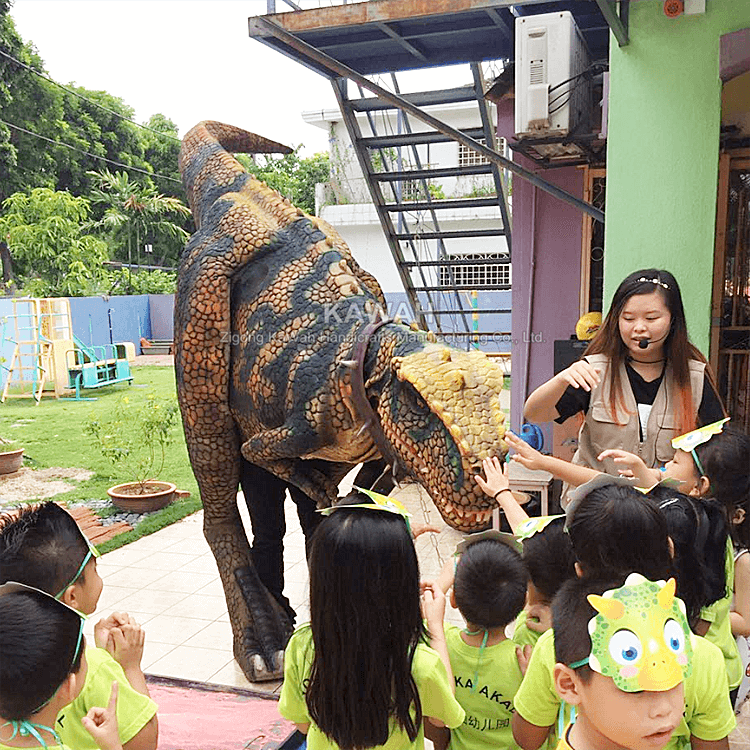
(640, 635)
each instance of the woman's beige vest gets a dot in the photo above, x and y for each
(602, 430)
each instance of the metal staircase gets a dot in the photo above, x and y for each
(451, 288)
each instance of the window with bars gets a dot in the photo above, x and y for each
(467, 157)
(480, 274)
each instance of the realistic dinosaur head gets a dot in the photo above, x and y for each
(441, 412)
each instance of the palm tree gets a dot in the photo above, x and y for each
(134, 211)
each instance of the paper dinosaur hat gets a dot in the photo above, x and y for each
(640, 636)
(526, 530)
(691, 440)
(379, 502)
(91, 552)
(602, 480)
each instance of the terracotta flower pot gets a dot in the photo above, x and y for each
(130, 498)
(11, 461)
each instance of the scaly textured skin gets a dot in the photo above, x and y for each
(269, 306)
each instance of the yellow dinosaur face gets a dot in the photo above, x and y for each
(449, 419)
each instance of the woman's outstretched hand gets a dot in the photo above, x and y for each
(524, 453)
(580, 374)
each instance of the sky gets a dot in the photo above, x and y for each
(189, 60)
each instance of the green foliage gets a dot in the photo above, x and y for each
(292, 176)
(481, 191)
(122, 281)
(436, 191)
(51, 254)
(32, 103)
(135, 214)
(136, 436)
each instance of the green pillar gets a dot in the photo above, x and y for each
(663, 149)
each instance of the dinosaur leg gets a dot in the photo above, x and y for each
(260, 626)
(265, 494)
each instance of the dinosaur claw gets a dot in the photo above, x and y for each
(349, 363)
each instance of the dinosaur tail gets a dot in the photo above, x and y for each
(207, 150)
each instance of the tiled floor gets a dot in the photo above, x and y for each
(169, 582)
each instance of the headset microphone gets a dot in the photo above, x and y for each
(644, 343)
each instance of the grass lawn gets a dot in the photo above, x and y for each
(53, 434)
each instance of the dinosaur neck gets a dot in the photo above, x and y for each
(371, 372)
(390, 341)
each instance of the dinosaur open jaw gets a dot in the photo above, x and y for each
(465, 519)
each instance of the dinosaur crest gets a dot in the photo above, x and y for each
(640, 636)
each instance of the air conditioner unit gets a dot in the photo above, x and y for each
(553, 98)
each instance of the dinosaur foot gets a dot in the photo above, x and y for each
(256, 669)
(261, 638)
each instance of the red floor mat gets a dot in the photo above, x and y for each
(197, 716)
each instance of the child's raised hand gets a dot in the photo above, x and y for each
(539, 618)
(101, 723)
(103, 628)
(524, 453)
(631, 466)
(433, 604)
(497, 477)
(127, 643)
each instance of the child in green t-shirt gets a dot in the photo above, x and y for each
(44, 547)
(621, 659)
(489, 589)
(361, 673)
(549, 559)
(42, 668)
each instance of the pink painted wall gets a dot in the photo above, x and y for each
(550, 231)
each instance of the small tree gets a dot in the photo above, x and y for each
(136, 437)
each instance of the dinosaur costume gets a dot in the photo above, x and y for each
(284, 358)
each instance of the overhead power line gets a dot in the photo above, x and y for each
(86, 99)
(88, 153)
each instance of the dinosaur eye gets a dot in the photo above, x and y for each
(625, 647)
(674, 636)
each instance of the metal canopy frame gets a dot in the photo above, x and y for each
(618, 23)
(323, 63)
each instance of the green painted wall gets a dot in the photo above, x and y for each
(663, 149)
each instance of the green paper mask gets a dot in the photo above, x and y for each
(640, 635)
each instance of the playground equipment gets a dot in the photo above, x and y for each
(48, 358)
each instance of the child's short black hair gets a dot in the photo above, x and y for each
(726, 460)
(549, 558)
(490, 584)
(42, 547)
(571, 613)
(616, 530)
(39, 638)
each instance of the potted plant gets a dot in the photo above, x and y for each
(11, 456)
(135, 438)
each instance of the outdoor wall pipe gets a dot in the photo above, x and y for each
(530, 310)
(399, 102)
